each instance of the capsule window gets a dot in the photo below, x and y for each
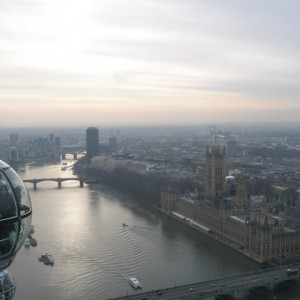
(20, 192)
(8, 204)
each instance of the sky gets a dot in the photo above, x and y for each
(106, 62)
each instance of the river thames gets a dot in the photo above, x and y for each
(95, 253)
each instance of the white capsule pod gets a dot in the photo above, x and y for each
(15, 214)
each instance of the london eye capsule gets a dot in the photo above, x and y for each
(15, 214)
(7, 286)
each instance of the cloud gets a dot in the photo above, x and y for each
(179, 53)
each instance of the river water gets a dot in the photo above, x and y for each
(95, 253)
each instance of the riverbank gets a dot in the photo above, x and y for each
(227, 243)
(213, 236)
(151, 199)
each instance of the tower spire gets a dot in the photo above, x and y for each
(215, 136)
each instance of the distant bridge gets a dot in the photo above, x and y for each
(75, 154)
(262, 281)
(74, 150)
(59, 181)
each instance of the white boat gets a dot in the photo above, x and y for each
(31, 230)
(134, 282)
(27, 243)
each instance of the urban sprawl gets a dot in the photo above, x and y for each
(239, 185)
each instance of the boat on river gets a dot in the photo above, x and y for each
(47, 259)
(134, 282)
(33, 242)
(31, 230)
(27, 243)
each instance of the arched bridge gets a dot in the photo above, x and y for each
(59, 181)
(262, 281)
(75, 154)
(74, 150)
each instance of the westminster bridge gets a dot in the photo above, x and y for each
(235, 287)
(59, 181)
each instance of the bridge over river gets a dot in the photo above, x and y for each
(59, 181)
(235, 286)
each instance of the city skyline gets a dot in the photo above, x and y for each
(148, 62)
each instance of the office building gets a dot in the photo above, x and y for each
(92, 143)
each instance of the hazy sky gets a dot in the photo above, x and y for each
(101, 62)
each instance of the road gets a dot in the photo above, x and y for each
(222, 286)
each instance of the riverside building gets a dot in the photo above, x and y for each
(261, 233)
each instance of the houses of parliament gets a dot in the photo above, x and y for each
(259, 232)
